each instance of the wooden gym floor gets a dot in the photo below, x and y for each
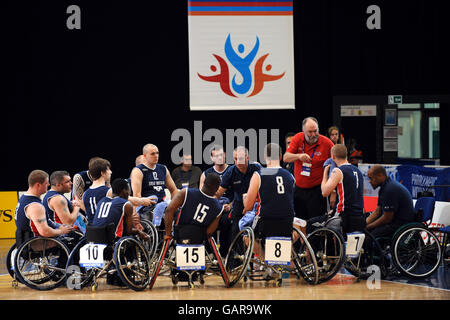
(341, 287)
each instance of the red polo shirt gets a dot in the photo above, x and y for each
(321, 154)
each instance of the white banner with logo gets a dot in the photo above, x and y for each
(241, 55)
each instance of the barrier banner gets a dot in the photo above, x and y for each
(241, 55)
(418, 179)
(8, 203)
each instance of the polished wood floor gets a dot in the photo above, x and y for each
(341, 287)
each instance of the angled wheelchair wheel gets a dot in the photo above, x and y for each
(304, 258)
(10, 260)
(132, 263)
(239, 254)
(416, 252)
(328, 246)
(371, 254)
(158, 262)
(40, 263)
(218, 261)
(152, 243)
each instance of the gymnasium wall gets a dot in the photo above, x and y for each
(121, 81)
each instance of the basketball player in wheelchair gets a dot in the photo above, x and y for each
(339, 237)
(274, 225)
(189, 251)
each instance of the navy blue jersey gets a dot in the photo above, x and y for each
(229, 193)
(111, 210)
(276, 192)
(393, 196)
(239, 182)
(91, 198)
(153, 181)
(51, 216)
(198, 209)
(350, 190)
(23, 223)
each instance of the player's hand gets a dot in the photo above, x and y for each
(227, 207)
(147, 202)
(167, 237)
(65, 229)
(75, 202)
(143, 236)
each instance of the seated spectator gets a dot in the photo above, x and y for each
(186, 175)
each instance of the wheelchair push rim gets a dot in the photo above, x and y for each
(304, 258)
(40, 263)
(239, 255)
(417, 252)
(132, 263)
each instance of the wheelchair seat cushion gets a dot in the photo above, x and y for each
(189, 234)
(103, 234)
(273, 228)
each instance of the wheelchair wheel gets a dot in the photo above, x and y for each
(78, 277)
(304, 258)
(152, 243)
(371, 254)
(328, 245)
(416, 252)
(132, 263)
(10, 260)
(40, 263)
(239, 254)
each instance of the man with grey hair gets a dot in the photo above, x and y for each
(309, 150)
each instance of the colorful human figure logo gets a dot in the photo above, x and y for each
(242, 63)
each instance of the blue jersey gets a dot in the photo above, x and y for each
(91, 198)
(350, 190)
(111, 210)
(394, 197)
(23, 223)
(153, 181)
(52, 217)
(239, 182)
(198, 209)
(229, 193)
(276, 192)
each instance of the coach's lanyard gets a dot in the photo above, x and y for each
(314, 150)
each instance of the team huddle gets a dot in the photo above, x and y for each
(229, 198)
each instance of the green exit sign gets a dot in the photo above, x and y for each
(395, 100)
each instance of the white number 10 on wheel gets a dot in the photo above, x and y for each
(278, 250)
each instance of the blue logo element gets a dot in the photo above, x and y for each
(242, 64)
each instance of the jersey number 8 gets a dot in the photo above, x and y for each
(280, 185)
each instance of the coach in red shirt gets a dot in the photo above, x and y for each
(309, 150)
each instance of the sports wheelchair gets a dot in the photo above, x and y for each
(124, 261)
(189, 257)
(279, 250)
(39, 262)
(416, 248)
